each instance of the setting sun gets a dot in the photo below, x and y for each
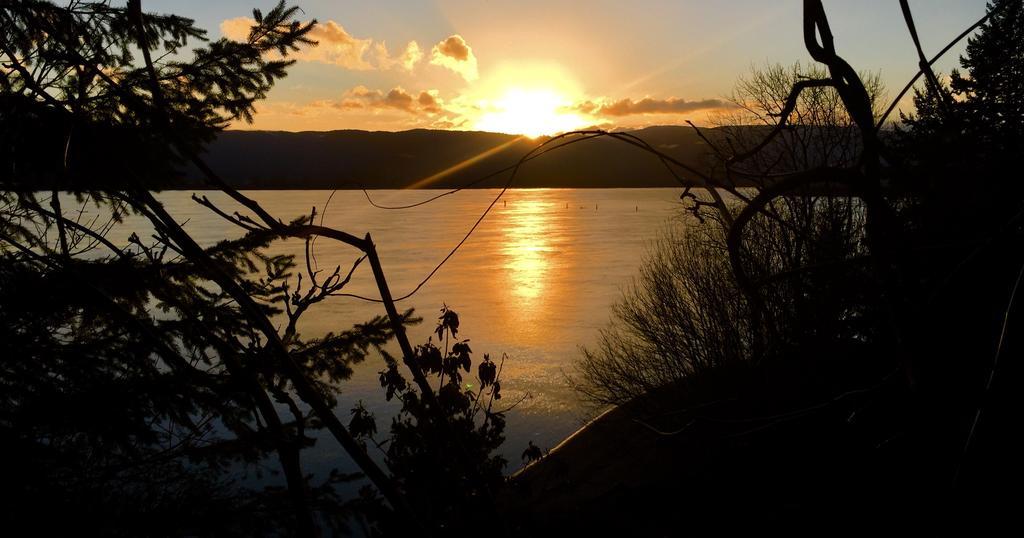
(530, 112)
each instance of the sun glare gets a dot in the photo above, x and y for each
(530, 112)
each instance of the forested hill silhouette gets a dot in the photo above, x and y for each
(427, 158)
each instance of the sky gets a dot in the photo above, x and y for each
(539, 67)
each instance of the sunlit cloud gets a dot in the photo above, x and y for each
(426, 102)
(360, 108)
(530, 112)
(455, 54)
(429, 102)
(647, 105)
(237, 29)
(336, 46)
(407, 60)
(450, 123)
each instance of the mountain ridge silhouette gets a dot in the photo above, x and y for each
(352, 159)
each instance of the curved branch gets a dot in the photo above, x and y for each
(923, 63)
(787, 109)
(951, 44)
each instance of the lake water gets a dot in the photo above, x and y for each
(536, 280)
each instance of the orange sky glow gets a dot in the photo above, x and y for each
(538, 68)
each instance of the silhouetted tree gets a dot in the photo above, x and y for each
(961, 151)
(686, 313)
(142, 377)
(973, 126)
(991, 95)
(918, 275)
(448, 469)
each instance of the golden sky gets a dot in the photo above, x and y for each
(532, 67)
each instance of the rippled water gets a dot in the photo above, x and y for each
(535, 281)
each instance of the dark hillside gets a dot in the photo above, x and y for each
(352, 159)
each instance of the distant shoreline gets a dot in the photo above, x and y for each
(480, 188)
(356, 160)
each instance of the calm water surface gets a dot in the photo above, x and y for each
(535, 281)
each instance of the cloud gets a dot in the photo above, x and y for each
(362, 98)
(429, 102)
(407, 60)
(629, 107)
(455, 54)
(454, 47)
(337, 47)
(236, 29)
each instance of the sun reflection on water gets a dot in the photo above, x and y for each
(528, 249)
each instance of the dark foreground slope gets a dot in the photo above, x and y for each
(808, 446)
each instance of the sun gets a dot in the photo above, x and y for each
(531, 112)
